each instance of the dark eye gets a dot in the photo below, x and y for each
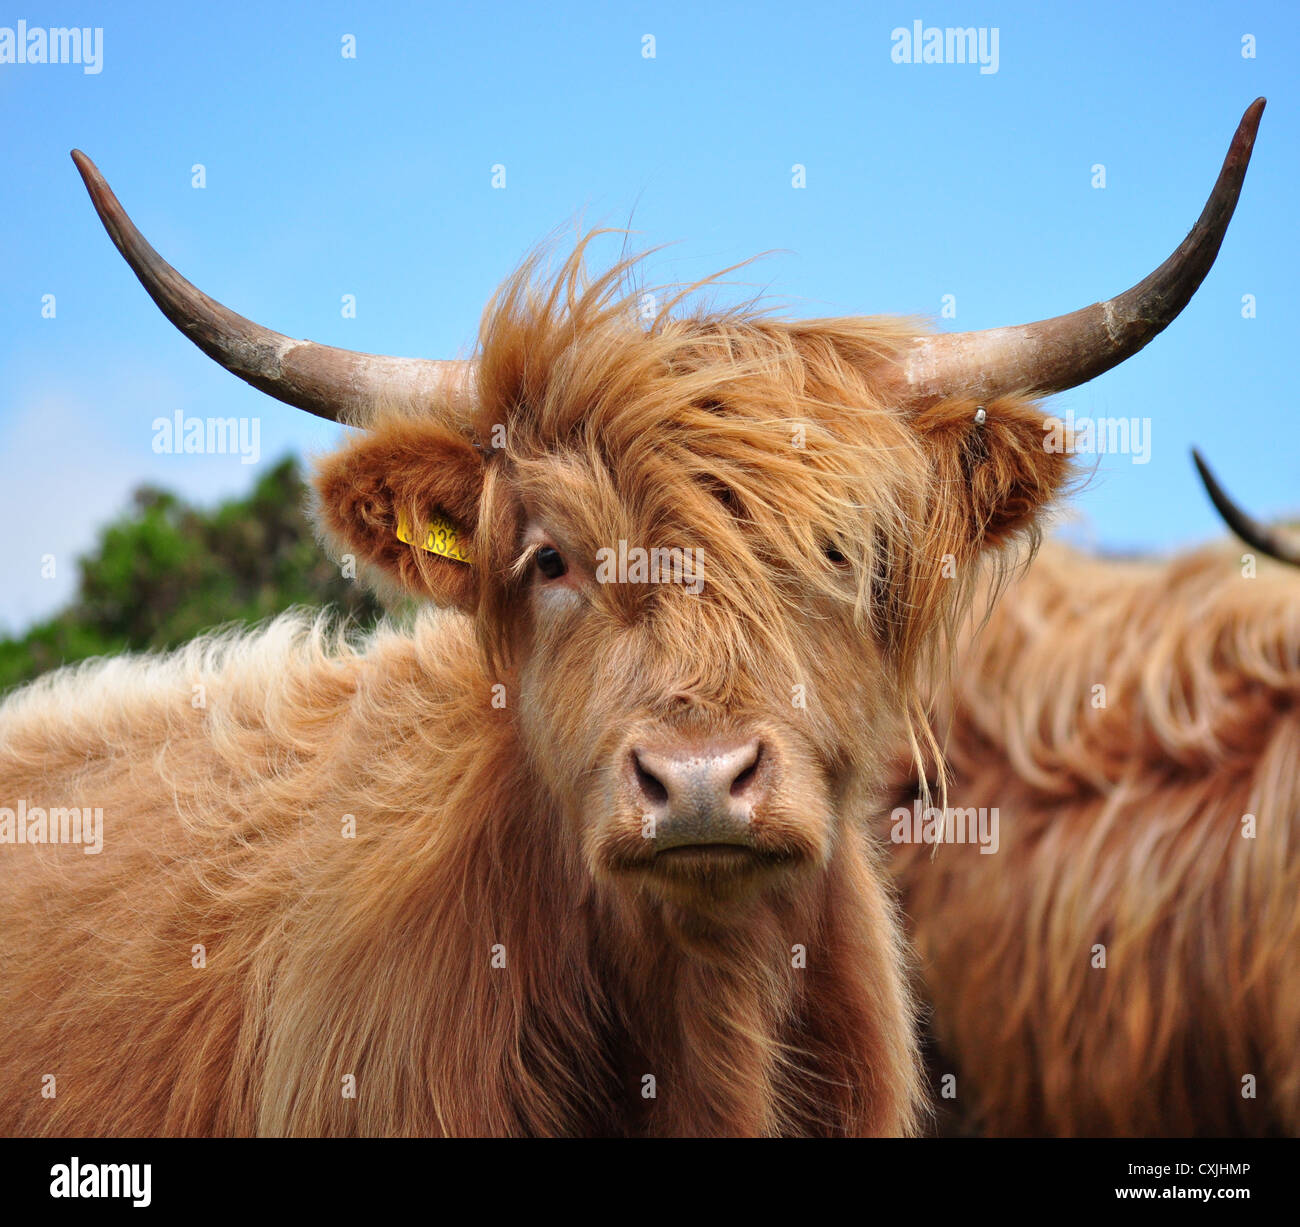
(834, 557)
(550, 562)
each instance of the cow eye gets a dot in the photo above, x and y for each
(550, 562)
(834, 556)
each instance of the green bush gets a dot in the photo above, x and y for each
(166, 570)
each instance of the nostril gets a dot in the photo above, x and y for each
(748, 773)
(648, 782)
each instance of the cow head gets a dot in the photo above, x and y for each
(709, 556)
(707, 559)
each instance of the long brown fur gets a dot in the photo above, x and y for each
(1123, 824)
(474, 958)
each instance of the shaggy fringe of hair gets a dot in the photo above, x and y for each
(716, 396)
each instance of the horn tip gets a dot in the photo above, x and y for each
(88, 170)
(1250, 120)
(1231, 513)
(1203, 468)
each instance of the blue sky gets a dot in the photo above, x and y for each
(372, 176)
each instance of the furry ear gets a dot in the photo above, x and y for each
(402, 476)
(996, 471)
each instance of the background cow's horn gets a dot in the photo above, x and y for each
(1054, 354)
(337, 384)
(1262, 537)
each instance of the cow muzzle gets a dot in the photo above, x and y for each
(700, 798)
(705, 814)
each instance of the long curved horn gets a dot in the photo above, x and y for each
(1055, 354)
(1262, 537)
(337, 384)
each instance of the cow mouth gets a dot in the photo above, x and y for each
(708, 859)
(703, 864)
(724, 854)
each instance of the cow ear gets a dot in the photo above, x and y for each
(999, 464)
(404, 500)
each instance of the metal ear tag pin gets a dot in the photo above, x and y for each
(980, 416)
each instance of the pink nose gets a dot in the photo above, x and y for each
(703, 793)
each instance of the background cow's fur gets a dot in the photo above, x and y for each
(1122, 825)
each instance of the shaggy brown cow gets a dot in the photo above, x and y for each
(1128, 963)
(575, 855)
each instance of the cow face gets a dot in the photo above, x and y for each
(707, 560)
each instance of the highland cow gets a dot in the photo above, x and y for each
(563, 857)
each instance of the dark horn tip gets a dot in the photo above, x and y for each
(1261, 537)
(1218, 496)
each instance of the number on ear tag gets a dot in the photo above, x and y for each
(441, 536)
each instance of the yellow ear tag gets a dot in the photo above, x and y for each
(441, 536)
